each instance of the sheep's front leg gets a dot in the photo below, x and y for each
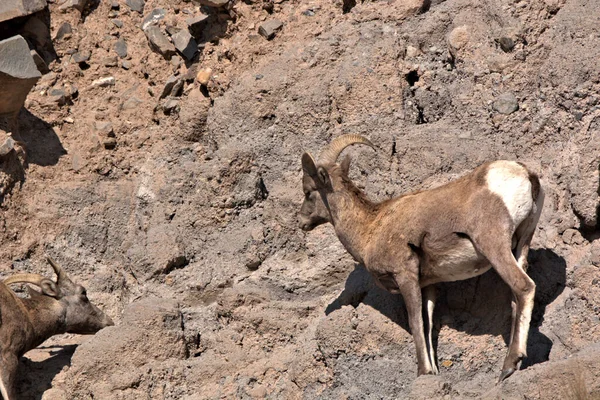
(411, 292)
(8, 375)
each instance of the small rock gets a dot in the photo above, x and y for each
(154, 17)
(69, 120)
(213, 3)
(458, 37)
(198, 22)
(79, 5)
(159, 42)
(171, 106)
(104, 82)
(126, 64)
(253, 263)
(412, 51)
(309, 13)
(506, 103)
(110, 143)
(447, 363)
(105, 128)
(117, 22)
(39, 62)
(185, 44)
(111, 61)
(203, 76)
(169, 85)
(81, 56)
(176, 62)
(18, 74)
(58, 96)
(37, 30)
(135, 5)
(572, 236)
(506, 44)
(120, 48)
(64, 31)
(114, 5)
(269, 28)
(7, 146)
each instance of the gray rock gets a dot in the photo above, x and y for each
(76, 4)
(82, 56)
(10, 9)
(506, 103)
(159, 42)
(136, 5)
(7, 146)
(18, 74)
(126, 64)
(198, 22)
(114, 5)
(154, 17)
(117, 22)
(37, 31)
(58, 96)
(213, 3)
(169, 84)
(64, 31)
(111, 61)
(185, 44)
(104, 127)
(506, 44)
(171, 106)
(120, 48)
(39, 62)
(269, 28)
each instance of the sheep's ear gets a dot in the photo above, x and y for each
(323, 176)
(308, 165)
(346, 165)
(49, 288)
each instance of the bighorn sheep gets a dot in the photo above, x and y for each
(61, 307)
(483, 220)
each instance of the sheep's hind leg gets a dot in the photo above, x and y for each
(429, 297)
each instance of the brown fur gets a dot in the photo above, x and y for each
(452, 232)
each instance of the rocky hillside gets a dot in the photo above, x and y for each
(157, 158)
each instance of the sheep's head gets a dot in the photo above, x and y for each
(80, 315)
(317, 180)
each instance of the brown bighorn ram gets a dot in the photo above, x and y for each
(61, 307)
(485, 219)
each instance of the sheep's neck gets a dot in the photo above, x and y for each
(351, 217)
(47, 317)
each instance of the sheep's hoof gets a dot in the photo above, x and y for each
(505, 374)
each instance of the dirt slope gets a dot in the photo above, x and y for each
(183, 225)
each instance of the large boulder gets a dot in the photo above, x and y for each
(18, 74)
(10, 9)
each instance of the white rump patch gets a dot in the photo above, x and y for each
(510, 181)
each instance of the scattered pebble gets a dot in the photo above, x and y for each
(269, 28)
(506, 103)
(203, 76)
(104, 82)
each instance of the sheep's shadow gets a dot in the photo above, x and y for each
(477, 306)
(35, 377)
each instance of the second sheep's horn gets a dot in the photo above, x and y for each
(331, 153)
(34, 279)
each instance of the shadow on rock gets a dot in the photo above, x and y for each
(41, 142)
(37, 376)
(477, 306)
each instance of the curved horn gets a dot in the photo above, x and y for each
(25, 278)
(331, 153)
(60, 273)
